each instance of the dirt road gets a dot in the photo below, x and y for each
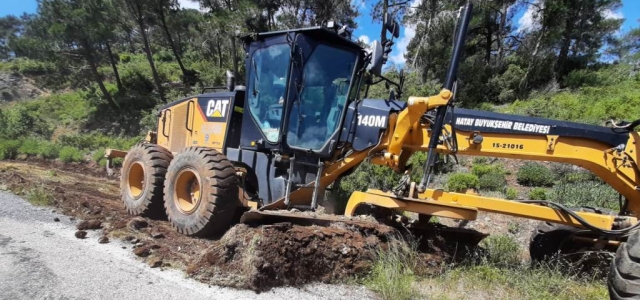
(41, 259)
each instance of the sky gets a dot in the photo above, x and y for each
(367, 31)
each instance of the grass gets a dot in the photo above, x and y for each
(497, 271)
(39, 196)
(484, 281)
(392, 275)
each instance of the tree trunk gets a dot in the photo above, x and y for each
(524, 82)
(88, 54)
(564, 49)
(383, 31)
(489, 37)
(503, 23)
(234, 56)
(219, 47)
(147, 50)
(167, 33)
(114, 67)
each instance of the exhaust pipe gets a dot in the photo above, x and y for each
(231, 85)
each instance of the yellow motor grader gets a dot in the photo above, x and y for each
(302, 120)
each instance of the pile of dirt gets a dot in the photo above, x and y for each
(256, 257)
(262, 257)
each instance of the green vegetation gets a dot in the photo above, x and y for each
(9, 149)
(614, 95)
(511, 193)
(535, 174)
(492, 182)
(585, 193)
(392, 275)
(544, 283)
(460, 182)
(39, 196)
(538, 194)
(70, 154)
(480, 169)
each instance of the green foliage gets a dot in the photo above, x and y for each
(535, 174)
(538, 194)
(502, 251)
(71, 154)
(616, 96)
(95, 141)
(31, 67)
(511, 193)
(461, 181)
(392, 275)
(585, 193)
(38, 147)
(483, 169)
(9, 149)
(39, 196)
(492, 181)
(48, 150)
(550, 282)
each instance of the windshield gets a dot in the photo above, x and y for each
(267, 82)
(326, 81)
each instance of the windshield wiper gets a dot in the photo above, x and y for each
(254, 90)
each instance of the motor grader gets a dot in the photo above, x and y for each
(302, 120)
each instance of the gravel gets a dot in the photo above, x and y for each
(42, 259)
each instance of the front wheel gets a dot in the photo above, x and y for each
(141, 183)
(624, 274)
(201, 192)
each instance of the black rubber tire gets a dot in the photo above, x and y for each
(548, 239)
(154, 161)
(213, 213)
(624, 274)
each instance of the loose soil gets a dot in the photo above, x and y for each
(256, 257)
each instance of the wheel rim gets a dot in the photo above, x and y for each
(187, 191)
(136, 180)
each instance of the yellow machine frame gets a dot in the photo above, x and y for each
(406, 134)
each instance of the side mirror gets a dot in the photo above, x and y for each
(391, 25)
(375, 66)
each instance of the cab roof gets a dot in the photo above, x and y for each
(319, 32)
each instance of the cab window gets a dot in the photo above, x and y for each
(267, 81)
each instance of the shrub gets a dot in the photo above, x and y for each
(483, 169)
(535, 174)
(70, 154)
(585, 193)
(492, 182)
(98, 155)
(9, 149)
(538, 194)
(462, 181)
(575, 177)
(511, 193)
(30, 147)
(49, 150)
(125, 58)
(501, 251)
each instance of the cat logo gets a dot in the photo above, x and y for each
(217, 108)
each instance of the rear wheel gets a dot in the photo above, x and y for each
(624, 274)
(141, 183)
(201, 192)
(550, 240)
